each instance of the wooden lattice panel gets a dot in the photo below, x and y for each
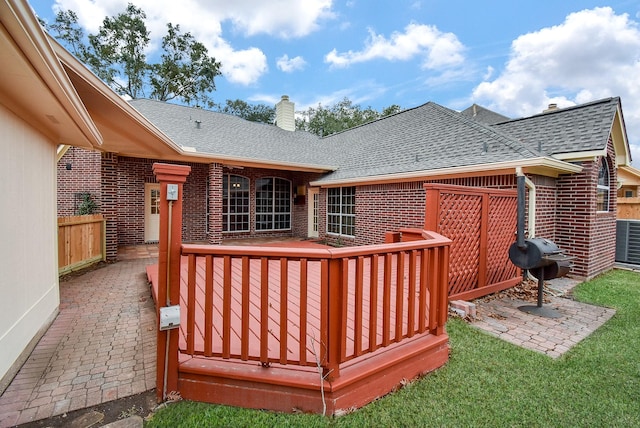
(501, 234)
(481, 224)
(460, 222)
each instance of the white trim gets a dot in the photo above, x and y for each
(581, 156)
(313, 212)
(534, 165)
(151, 232)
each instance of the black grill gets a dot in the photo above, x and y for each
(539, 255)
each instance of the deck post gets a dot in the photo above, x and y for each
(168, 274)
(335, 320)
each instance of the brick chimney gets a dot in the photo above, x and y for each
(285, 115)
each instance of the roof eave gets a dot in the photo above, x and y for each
(74, 66)
(540, 166)
(238, 161)
(587, 155)
(620, 141)
(31, 39)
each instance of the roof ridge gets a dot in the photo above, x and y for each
(376, 120)
(565, 109)
(503, 137)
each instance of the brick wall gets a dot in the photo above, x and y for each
(133, 173)
(582, 232)
(109, 204)
(388, 207)
(546, 202)
(78, 172)
(214, 233)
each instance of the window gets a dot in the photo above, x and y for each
(155, 201)
(235, 203)
(628, 193)
(273, 204)
(603, 186)
(341, 211)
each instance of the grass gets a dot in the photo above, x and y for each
(488, 382)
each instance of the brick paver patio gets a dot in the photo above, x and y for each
(551, 336)
(101, 346)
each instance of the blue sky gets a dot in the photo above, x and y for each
(514, 57)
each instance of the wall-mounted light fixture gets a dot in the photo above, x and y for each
(299, 194)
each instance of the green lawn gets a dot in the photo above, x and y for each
(488, 382)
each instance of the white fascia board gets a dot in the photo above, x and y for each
(544, 163)
(34, 42)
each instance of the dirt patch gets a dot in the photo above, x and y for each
(527, 291)
(141, 404)
(79, 272)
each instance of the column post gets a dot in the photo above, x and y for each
(170, 240)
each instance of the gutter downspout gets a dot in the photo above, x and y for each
(532, 202)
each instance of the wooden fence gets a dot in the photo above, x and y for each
(81, 241)
(481, 224)
(628, 208)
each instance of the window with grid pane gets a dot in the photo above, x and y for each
(603, 186)
(341, 211)
(273, 204)
(235, 203)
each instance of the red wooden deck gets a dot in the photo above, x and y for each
(308, 329)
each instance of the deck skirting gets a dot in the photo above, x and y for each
(289, 388)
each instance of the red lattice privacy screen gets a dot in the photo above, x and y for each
(481, 224)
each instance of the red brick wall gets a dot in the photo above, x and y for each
(133, 173)
(582, 232)
(83, 177)
(546, 201)
(388, 207)
(109, 205)
(214, 232)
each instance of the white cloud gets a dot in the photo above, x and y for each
(289, 65)
(282, 18)
(437, 49)
(593, 54)
(204, 19)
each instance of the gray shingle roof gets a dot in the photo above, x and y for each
(227, 135)
(575, 129)
(484, 115)
(424, 138)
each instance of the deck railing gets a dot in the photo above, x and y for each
(312, 307)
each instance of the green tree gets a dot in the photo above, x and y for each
(116, 54)
(253, 112)
(339, 117)
(67, 31)
(186, 70)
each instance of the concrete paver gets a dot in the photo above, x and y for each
(501, 317)
(100, 347)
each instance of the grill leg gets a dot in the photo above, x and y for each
(539, 310)
(540, 275)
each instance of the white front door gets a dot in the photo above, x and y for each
(151, 212)
(312, 208)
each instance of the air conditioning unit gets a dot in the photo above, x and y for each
(628, 241)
